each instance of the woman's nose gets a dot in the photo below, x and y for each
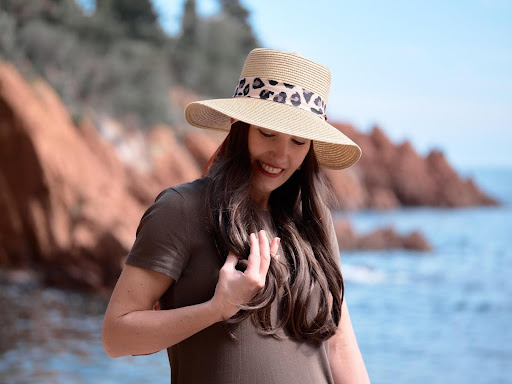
(280, 151)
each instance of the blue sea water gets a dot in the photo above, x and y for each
(444, 316)
(438, 317)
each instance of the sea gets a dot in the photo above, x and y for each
(443, 316)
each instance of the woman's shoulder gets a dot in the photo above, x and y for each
(185, 190)
(190, 194)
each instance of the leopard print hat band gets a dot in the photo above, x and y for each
(281, 92)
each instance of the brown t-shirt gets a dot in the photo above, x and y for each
(173, 239)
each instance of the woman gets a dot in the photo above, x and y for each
(244, 262)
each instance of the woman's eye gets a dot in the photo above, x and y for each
(298, 142)
(265, 134)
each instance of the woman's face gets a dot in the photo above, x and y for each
(275, 157)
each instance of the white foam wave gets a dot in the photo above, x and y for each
(363, 274)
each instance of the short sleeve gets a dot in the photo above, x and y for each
(162, 241)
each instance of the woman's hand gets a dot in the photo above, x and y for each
(234, 287)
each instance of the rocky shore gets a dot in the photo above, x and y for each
(72, 194)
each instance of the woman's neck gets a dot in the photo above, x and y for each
(260, 200)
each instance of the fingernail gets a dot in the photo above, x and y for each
(278, 241)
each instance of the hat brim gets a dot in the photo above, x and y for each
(332, 148)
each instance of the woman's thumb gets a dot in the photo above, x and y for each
(231, 261)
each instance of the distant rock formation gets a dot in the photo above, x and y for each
(389, 176)
(382, 238)
(71, 198)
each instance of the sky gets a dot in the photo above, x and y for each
(437, 72)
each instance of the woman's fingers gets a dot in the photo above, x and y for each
(235, 288)
(274, 248)
(264, 254)
(253, 263)
(260, 255)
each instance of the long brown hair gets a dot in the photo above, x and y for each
(298, 209)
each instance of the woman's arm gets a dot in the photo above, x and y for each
(345, 360)
(131, 327)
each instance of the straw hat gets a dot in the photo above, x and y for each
(283, 92)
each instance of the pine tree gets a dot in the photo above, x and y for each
(189, 24)
(138, 18)
(186, 53)
(238, 13)
(235, 10)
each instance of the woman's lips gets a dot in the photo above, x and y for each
(268, 170)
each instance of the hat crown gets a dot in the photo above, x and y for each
(289, 68)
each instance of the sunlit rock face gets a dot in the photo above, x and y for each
(72, 196)
(72, 215)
